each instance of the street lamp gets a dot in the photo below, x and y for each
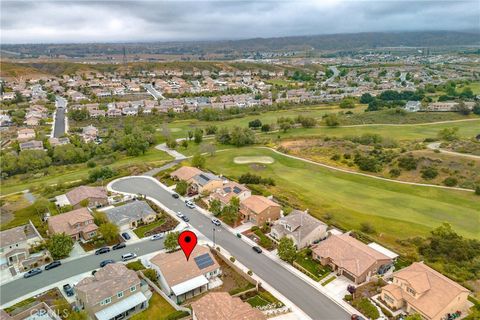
(214, 237)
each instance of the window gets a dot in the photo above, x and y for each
(388, 298)
(411, 291)
(133, 288)
(106, 301)
(120, 294)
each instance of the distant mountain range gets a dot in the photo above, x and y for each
(331, 42)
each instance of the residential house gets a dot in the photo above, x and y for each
(89, 133)
(222, 306)
(96, 196)
(185, 173)
(182, 279)
(204, 182)
(25, 134)
(31, 145)
(447, 106)
(54, 142)
(131, 215)
(16, 242)
(229, 190)
(77, 223)
(413, 106)
(259, 210)
(113, 292)
(422, 290)
(301, 227)
(351, 258)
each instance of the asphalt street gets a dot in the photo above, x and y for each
(307, 298)
(21, 287)
(59, 129)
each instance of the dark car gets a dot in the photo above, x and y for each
(120, 245)
(126, 236)
(185, 218)
(102, 250)
(175, 195)
(257, 249)
(32, 273)
(68, 290)
(53, 264)
(105, 262)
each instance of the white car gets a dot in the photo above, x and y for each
(189, 204)
(157, 236)
(180, 215)
(216, 222)
(129, 256)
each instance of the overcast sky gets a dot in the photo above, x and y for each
(117, 21)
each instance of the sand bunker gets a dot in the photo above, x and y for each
(253, 159)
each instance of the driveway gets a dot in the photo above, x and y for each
(77, 250)
(338, 287)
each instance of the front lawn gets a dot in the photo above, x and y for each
(140, 231)
(257, 301)
(304, 259)
(158, 309)
(366, 307)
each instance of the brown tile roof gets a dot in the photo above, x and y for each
(349, 253)
(436, 291)
(222, 306)
(176, 269)
(228, 191)
(85, 192)
(66, 222)
(107, 282)
(12, 236)
(185, 173)
(258, 204)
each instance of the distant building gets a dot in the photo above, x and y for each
(259, 210)
(131, 215)
(413, 106)
(229, 190)
(25, 134)
(222, 306)
(31, 145)
(77, 223)
(16, 242)
(96, 196)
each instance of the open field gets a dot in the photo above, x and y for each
(396, 211)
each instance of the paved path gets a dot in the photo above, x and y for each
(59, 125)
(436, 146)
(314, 303)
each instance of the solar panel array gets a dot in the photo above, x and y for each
(237, 190)
(203, 261)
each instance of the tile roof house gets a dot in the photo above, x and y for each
(97, 196)
(204, 182)
(185, 173)
(77, 224)
(89, 133)
(259, 210)
(222, 306)
(351, 258)
(114, 292)
(182, 279)
(301, 227)
(229, 190)
(131, 215)
(16, 242)
(25, 134)
(31, 145)
(420, 289)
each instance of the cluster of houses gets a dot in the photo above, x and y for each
(446, 106)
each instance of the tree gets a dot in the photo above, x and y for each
(429, 173)
(230, 212)
(331, 120)
(198, 160)
(366, 98)
(84, 203)
(477, 190)
(286, 250)
(242, 136)
(171, 241)
(208, 148)
(223, 135)
(30, 160)
(181, 187)
(190, 135)
(172, 143)
(448, 134)
(99, 217)
(198, 135)
(103, 173)
(211, 129)
(347, 103)
(463, 109)
(414, 316)
(265, 128)
(476, 108)
(215, 207)
(60, 245)
(109, 231)
(185, 143)
(255, 124)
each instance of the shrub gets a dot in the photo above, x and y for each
(395, 173)
(150, 274)
(335, 157)
(429, 173)
(348, 297)
(250, 272)
(366, 307)
(232, 259)
(477, 190)
(367, 227)
(135, 265)
(408, 162)
(450, 181)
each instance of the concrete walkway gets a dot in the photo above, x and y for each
(436, 146)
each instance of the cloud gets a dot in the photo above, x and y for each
(128, 21)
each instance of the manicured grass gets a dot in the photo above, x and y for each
(314, 267)
(158, 309)
(328, 280)
(396, 211)
(257, 301)
(140, 231)
(135, 265)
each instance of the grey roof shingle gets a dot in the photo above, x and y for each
(132, 211)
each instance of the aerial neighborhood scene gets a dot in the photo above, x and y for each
(240, 160)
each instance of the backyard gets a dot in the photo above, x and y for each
(158, 309)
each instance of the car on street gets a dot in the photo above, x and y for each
(126, 236)
(185, 218)
(180, 215)
(102, 250)
(53, 264)
(175, 195)
(32, 273)
(105, 262)
(157, 236)
(257, 249)
(68, 290)
(216, 222)
(128, 256)
(120, 245)
(189, 204)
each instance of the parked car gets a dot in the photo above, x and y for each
(185, 218)
(175, 195)
(105, 262)
(102, 250)
(68, 290)
(53, 264)
(32, 273)
(120, 245)
(356, 317)
(128, 256)
(126, 236)
(189, 204)
(257, 249)
(216, 222)
(157, 236)
(180, 215)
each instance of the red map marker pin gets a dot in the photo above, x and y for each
(187, 241)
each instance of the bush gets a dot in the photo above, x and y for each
(250, 272)
(429, 173)
(395, 173)
(477, 190)
(450, 181)
(232, 259)
(366, 307)
(150, 274)
(367, 227)
(408, 162)
(135, 265)
(348, 297)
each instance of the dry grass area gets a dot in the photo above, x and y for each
(253, 159)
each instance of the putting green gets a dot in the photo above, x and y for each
(253, 159)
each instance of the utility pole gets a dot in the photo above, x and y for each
(214, 244)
